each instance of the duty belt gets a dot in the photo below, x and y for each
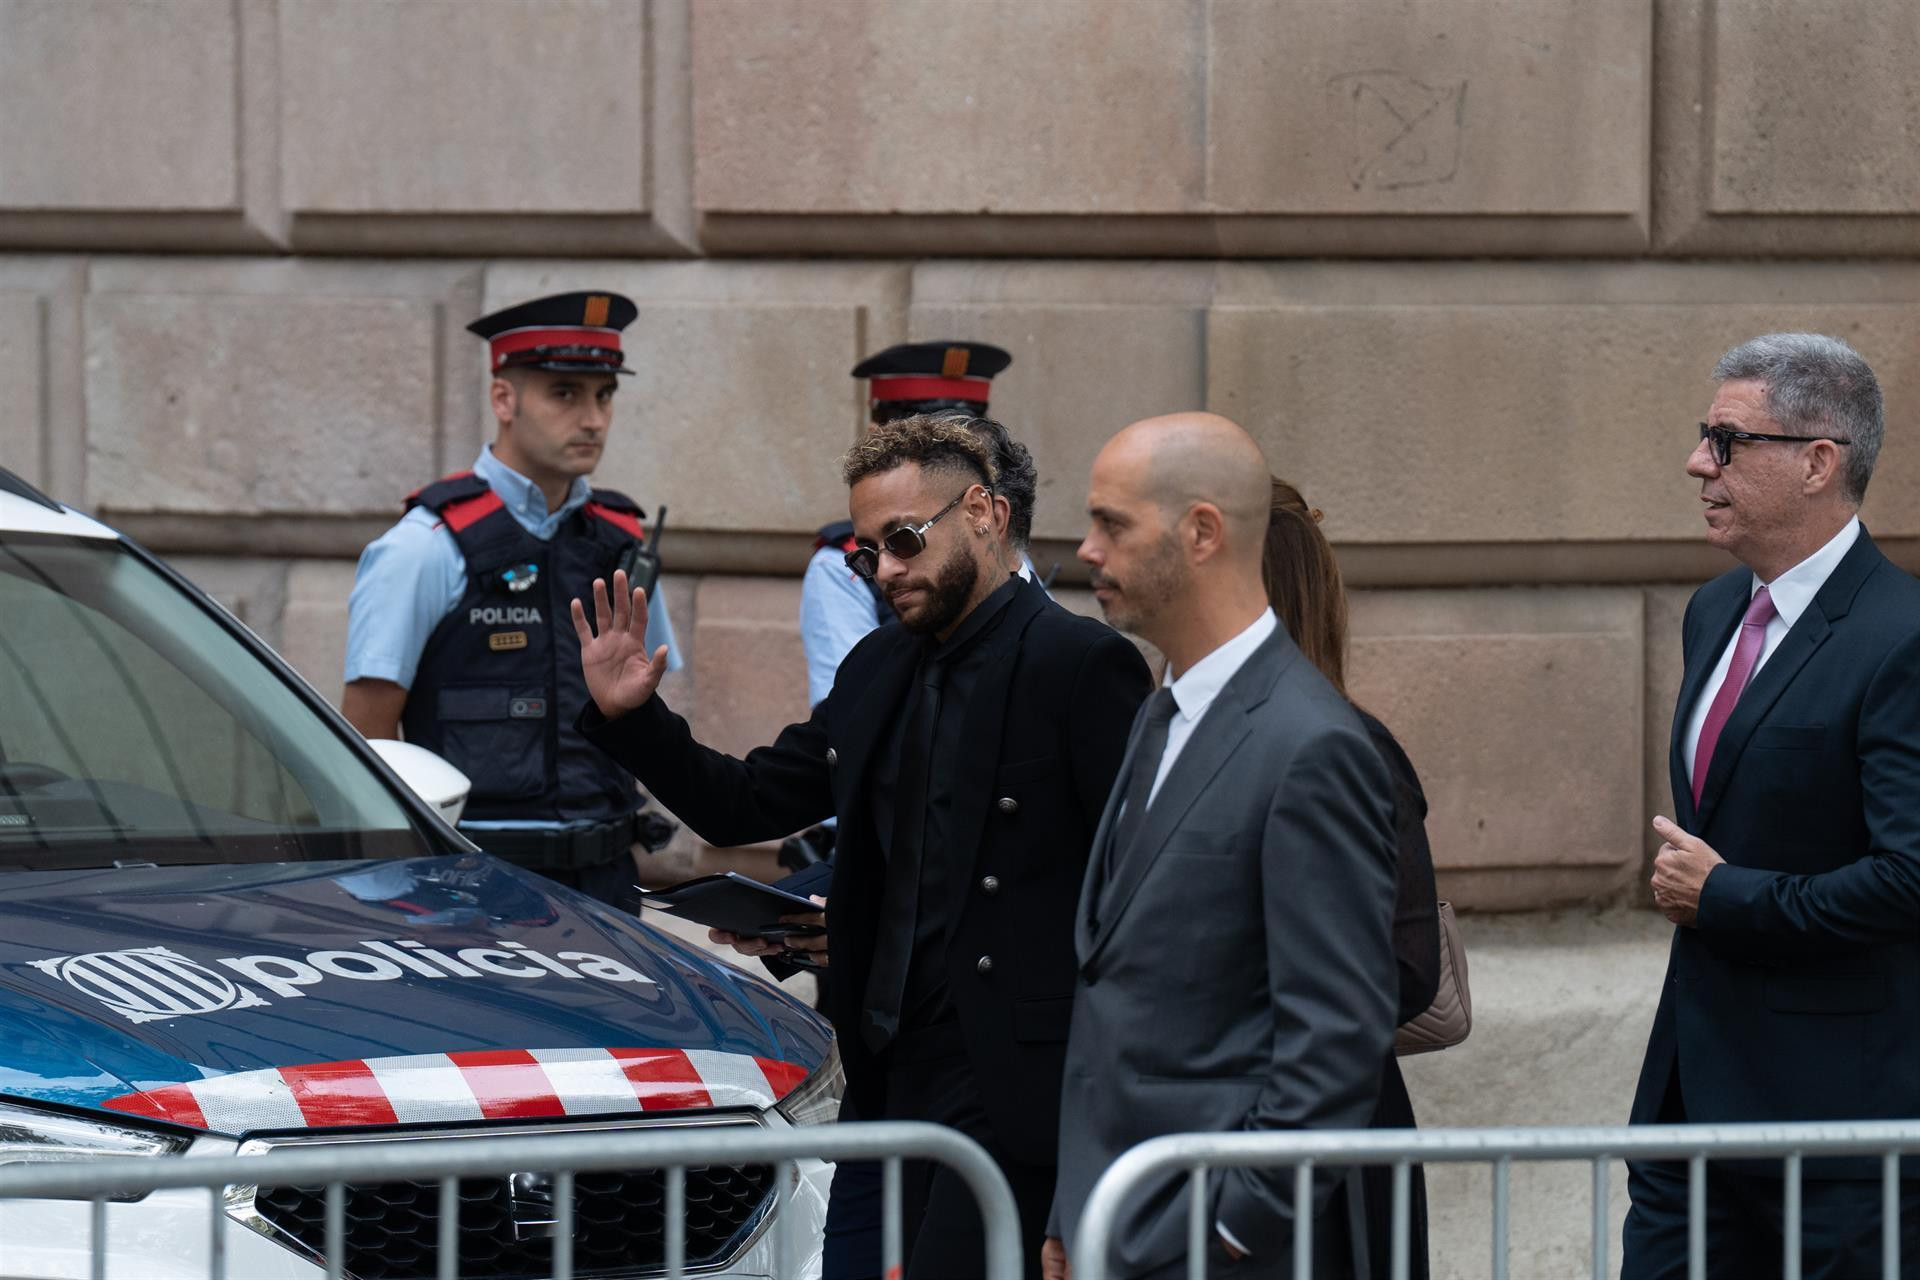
(562, 848)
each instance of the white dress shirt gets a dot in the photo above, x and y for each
(1195, 689)
(1792, 592)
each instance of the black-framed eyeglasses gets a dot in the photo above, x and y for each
(1723, 438)
(904, 543)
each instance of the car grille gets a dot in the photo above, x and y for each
(506, 1220)
(392, 1229)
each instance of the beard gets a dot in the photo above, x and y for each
(943, 598)
(1147, 591)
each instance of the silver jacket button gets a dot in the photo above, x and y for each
(833, 757)
(1007, 804)
(983, 965)
(990, 884)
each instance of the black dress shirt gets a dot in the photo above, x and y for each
(925, 1002)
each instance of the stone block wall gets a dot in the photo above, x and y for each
(1462, 269)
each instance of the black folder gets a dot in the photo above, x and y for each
(735, 903)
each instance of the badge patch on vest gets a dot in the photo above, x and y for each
(527, 709)
(502, 641)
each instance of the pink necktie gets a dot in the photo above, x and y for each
(1746, 655)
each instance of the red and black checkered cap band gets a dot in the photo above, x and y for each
(886, 389)
(581, 344)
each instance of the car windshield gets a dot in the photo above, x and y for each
(136, 728)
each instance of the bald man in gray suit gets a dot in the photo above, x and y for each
(1235, 930)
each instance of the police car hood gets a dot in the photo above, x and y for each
(437, 990)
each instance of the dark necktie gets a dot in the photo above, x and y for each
(1151, 746)
(900, 896)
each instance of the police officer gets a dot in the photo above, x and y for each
(837, 608)
(457, 626)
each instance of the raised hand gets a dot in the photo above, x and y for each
(620, 673)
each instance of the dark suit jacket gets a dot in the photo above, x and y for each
(1242, 974)
(1044, 734)
(1797, 996)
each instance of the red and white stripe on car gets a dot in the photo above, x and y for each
(478, 1084)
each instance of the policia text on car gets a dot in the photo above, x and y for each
(457, 627)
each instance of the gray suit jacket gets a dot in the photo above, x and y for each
(1236, 967)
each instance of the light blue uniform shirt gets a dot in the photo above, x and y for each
(836, 610)
(413, 575)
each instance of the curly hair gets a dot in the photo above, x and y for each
(936, 442)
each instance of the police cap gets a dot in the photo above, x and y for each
(915, 376)
(568, 332)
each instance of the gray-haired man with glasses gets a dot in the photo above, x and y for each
(967, 750)
(1791, 863)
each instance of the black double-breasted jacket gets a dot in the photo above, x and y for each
(1042, 739)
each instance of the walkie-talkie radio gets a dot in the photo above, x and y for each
(641, 560)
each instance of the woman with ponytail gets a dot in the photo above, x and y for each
(1304, 587)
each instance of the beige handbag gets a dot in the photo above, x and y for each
(1449, 1018)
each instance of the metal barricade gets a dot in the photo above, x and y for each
(1303, 1152)
(564, 1156)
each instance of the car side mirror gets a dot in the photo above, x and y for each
(431, 778)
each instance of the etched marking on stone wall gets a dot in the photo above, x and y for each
(1401, 132)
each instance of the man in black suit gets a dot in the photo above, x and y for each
(967, 750)
(1792, 863)
(1235, 932)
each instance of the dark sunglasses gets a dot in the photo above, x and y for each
(904, 543)
(1723, 438)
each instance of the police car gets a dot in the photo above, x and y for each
(227, 926)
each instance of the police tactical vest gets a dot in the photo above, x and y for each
(499, 686)
(839, 536)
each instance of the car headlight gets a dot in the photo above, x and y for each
(816, 1100)
(29, 1135)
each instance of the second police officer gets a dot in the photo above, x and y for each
(458, 629)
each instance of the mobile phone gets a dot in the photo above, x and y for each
(776, 932)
